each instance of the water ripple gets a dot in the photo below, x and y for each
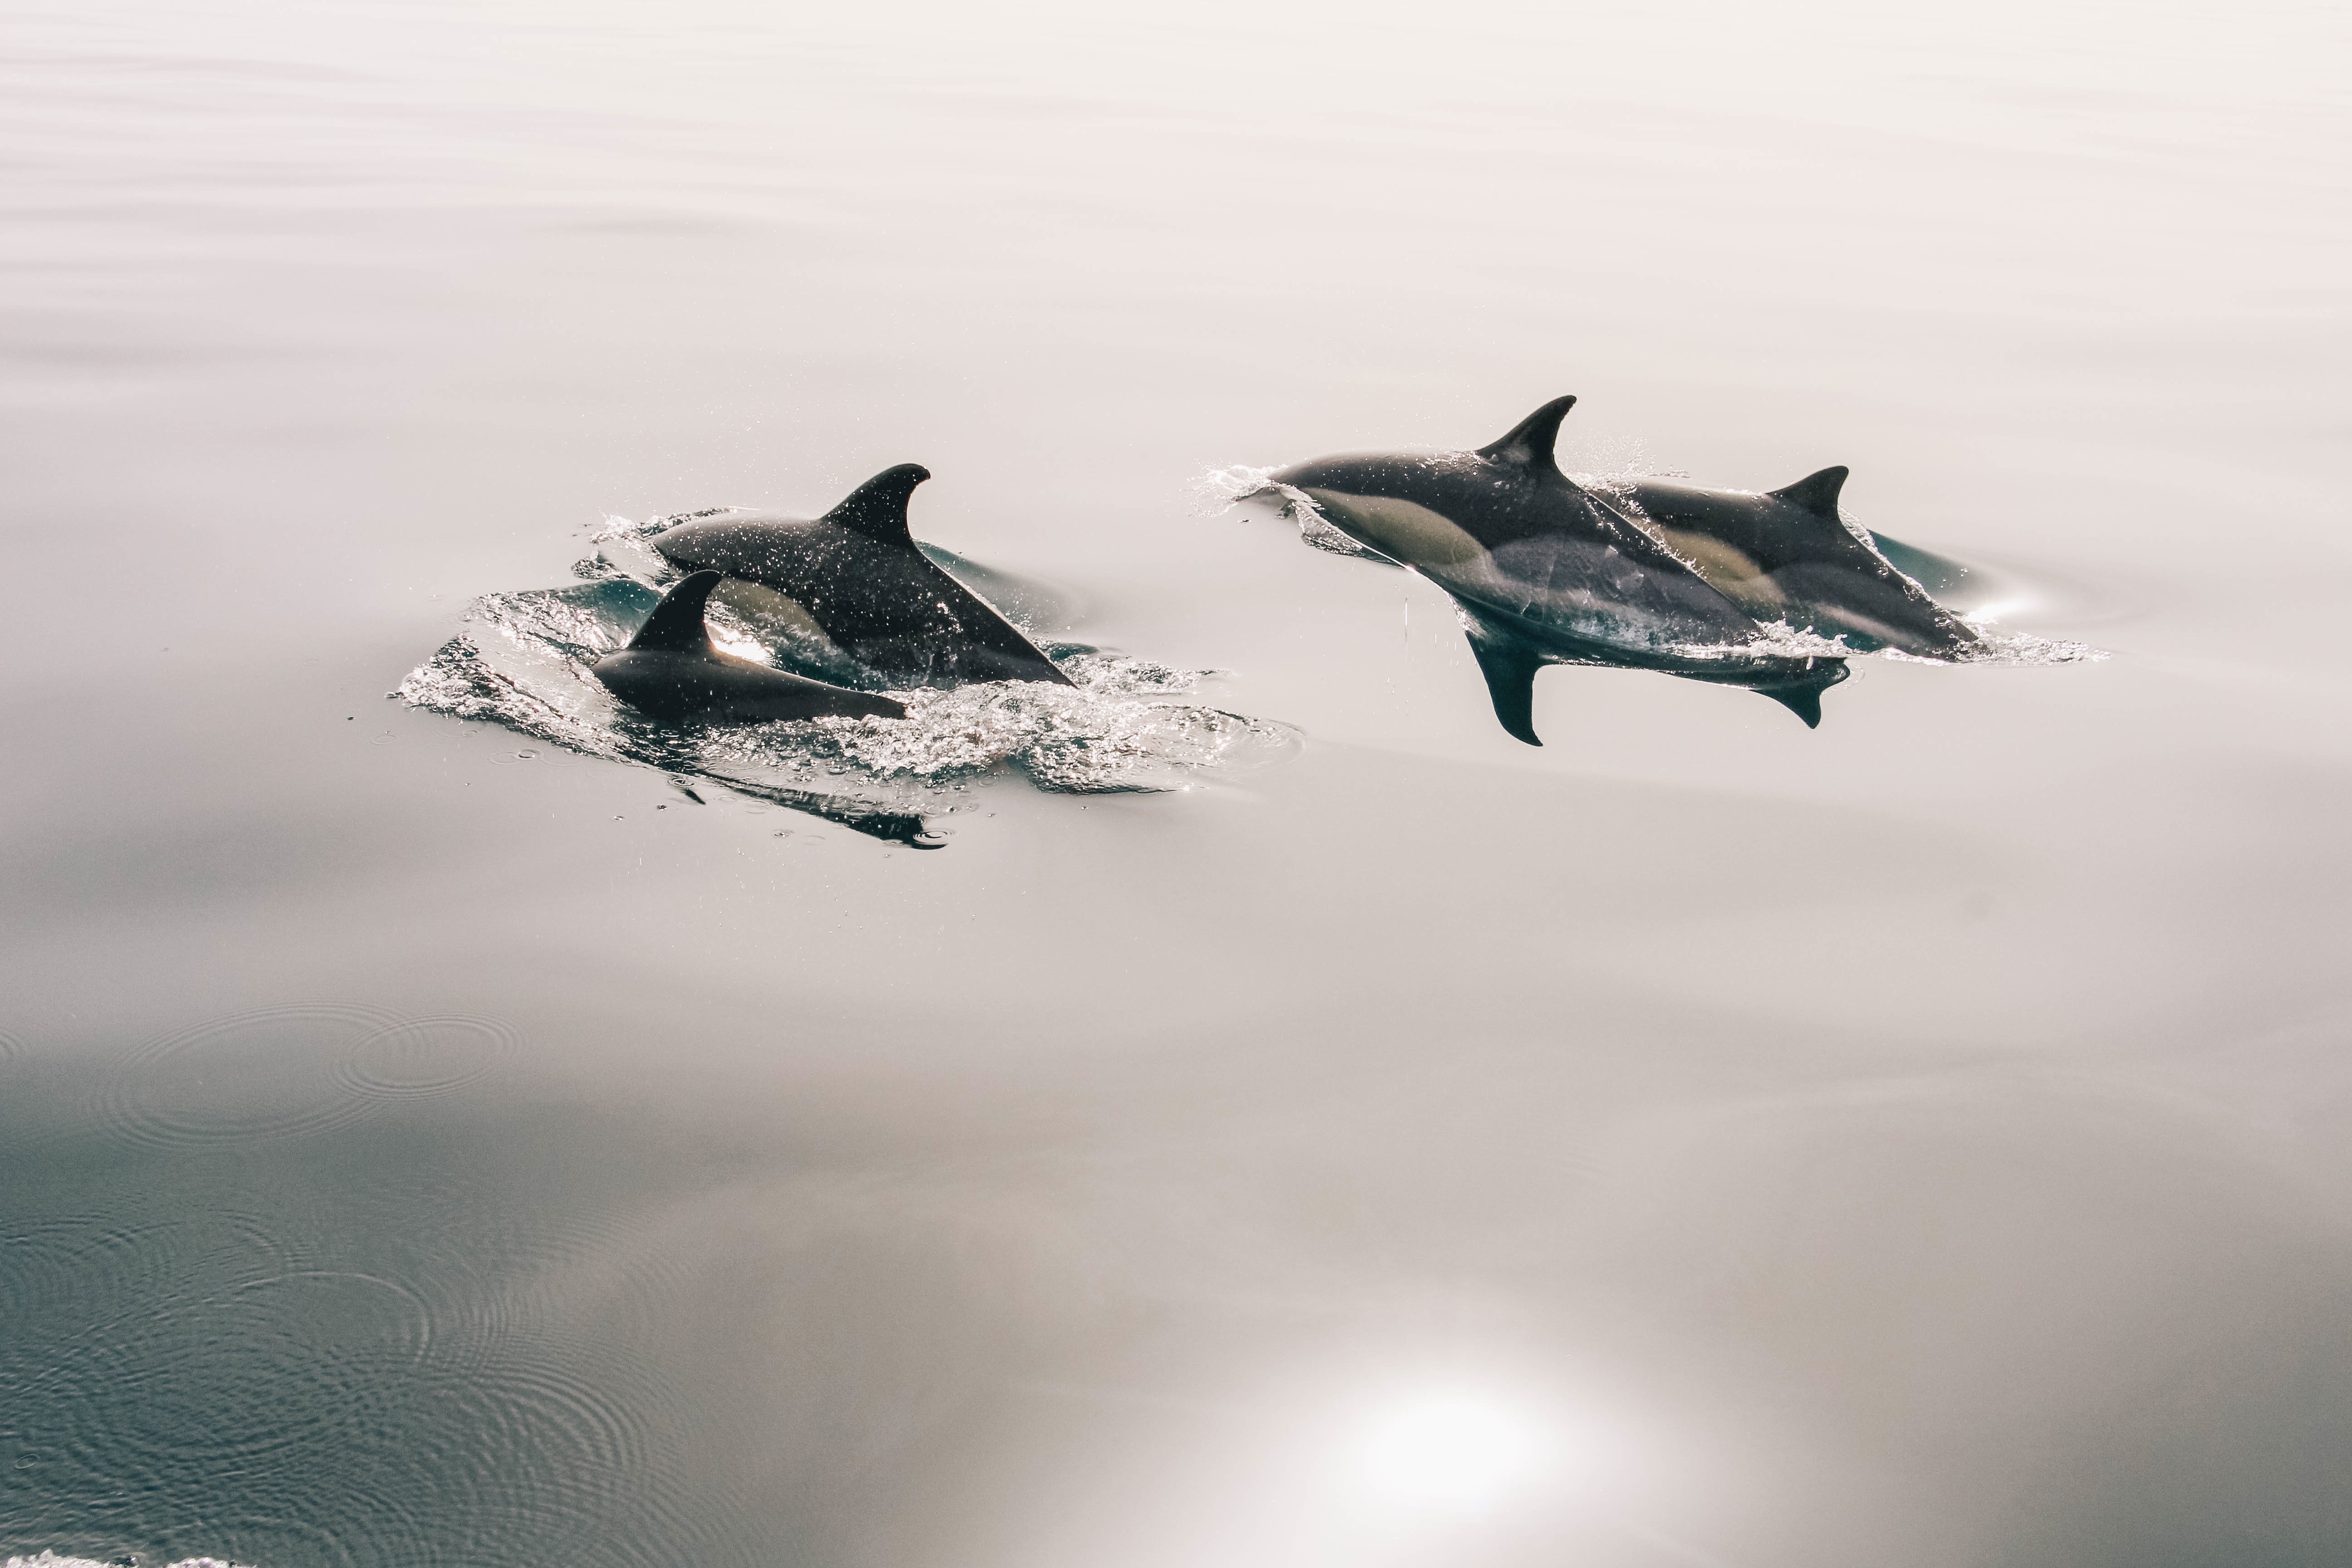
(291, 1072)
(85, 1265)
(270, 1073)
(239, 1383)
(421, 1057)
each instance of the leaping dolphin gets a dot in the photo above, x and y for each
(1548, 571)
(1788, 554)
(857, 573)
(670, 670)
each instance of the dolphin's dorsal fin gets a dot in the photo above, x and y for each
(1817, 493)
(877, 508)
(1531, 442)
(676, 625)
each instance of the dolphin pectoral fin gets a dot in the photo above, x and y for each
(1817, 493)
(1805, 702)
(1804, 697)
(676, 625)
(1531, 440)
(1509, 667)
(877, 508)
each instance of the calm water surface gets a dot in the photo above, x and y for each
(1699, 1142)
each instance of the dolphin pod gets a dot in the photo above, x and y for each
(1646, 574)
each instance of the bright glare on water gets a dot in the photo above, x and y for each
(1241, 1107)
(1448, 1450)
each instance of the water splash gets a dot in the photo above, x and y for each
(2008, 648)
(1100, 734)
(523, 660)
(1220, 490)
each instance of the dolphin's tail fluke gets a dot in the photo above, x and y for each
(1804, 697)
(1509, 667)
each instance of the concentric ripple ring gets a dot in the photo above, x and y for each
(420, 1056)
(272, 1073)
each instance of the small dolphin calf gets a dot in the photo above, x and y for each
(670, 670)
(1548, 571)
(857, 574)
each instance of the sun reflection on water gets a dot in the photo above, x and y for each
(1455, 1450)
(1460, 1451)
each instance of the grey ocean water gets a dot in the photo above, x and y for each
(1700, 1141)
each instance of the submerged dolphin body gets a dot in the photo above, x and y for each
(1548, 571)
(859, 577)
(670, 670)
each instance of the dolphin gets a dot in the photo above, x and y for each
(857, 576)
(1788, 554)
(1546, 571)
(670, 670)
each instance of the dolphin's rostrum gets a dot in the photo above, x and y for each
(670, 670)
(1650, 575)
(856, 576)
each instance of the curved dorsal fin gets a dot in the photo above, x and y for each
(877, 508)
(676, 625)
(1530, 441)
(1817, 493)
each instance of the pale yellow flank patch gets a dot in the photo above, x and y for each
(1728, 571)
(1404, 530)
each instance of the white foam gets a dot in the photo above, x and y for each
(51, 1560)
(1220, 490)
(1100, 733)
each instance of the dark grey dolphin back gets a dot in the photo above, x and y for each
(670, 670)
(1816, 494)
(676, 625)
(933, 628)
(1788, 554)
(859, 573)
(877, 508)
(1531, 441)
